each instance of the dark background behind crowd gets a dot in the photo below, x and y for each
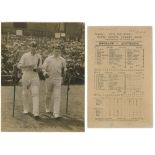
(69, 36)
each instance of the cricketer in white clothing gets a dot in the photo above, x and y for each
(54, 68)
(29, 64)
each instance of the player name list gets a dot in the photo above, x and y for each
(119, 76)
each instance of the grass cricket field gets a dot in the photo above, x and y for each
(71, 122)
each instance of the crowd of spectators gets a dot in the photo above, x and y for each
(14, 46)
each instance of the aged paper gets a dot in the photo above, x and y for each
(119, 76)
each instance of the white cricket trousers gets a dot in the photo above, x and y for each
(30, 81)
(53, 91)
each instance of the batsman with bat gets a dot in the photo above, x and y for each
(54, 68)
(30, 63)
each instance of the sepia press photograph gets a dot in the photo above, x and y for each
(42, 77)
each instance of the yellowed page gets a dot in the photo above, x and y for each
(119, 76)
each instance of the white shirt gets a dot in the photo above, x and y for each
(53, 66)
(29, 59)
